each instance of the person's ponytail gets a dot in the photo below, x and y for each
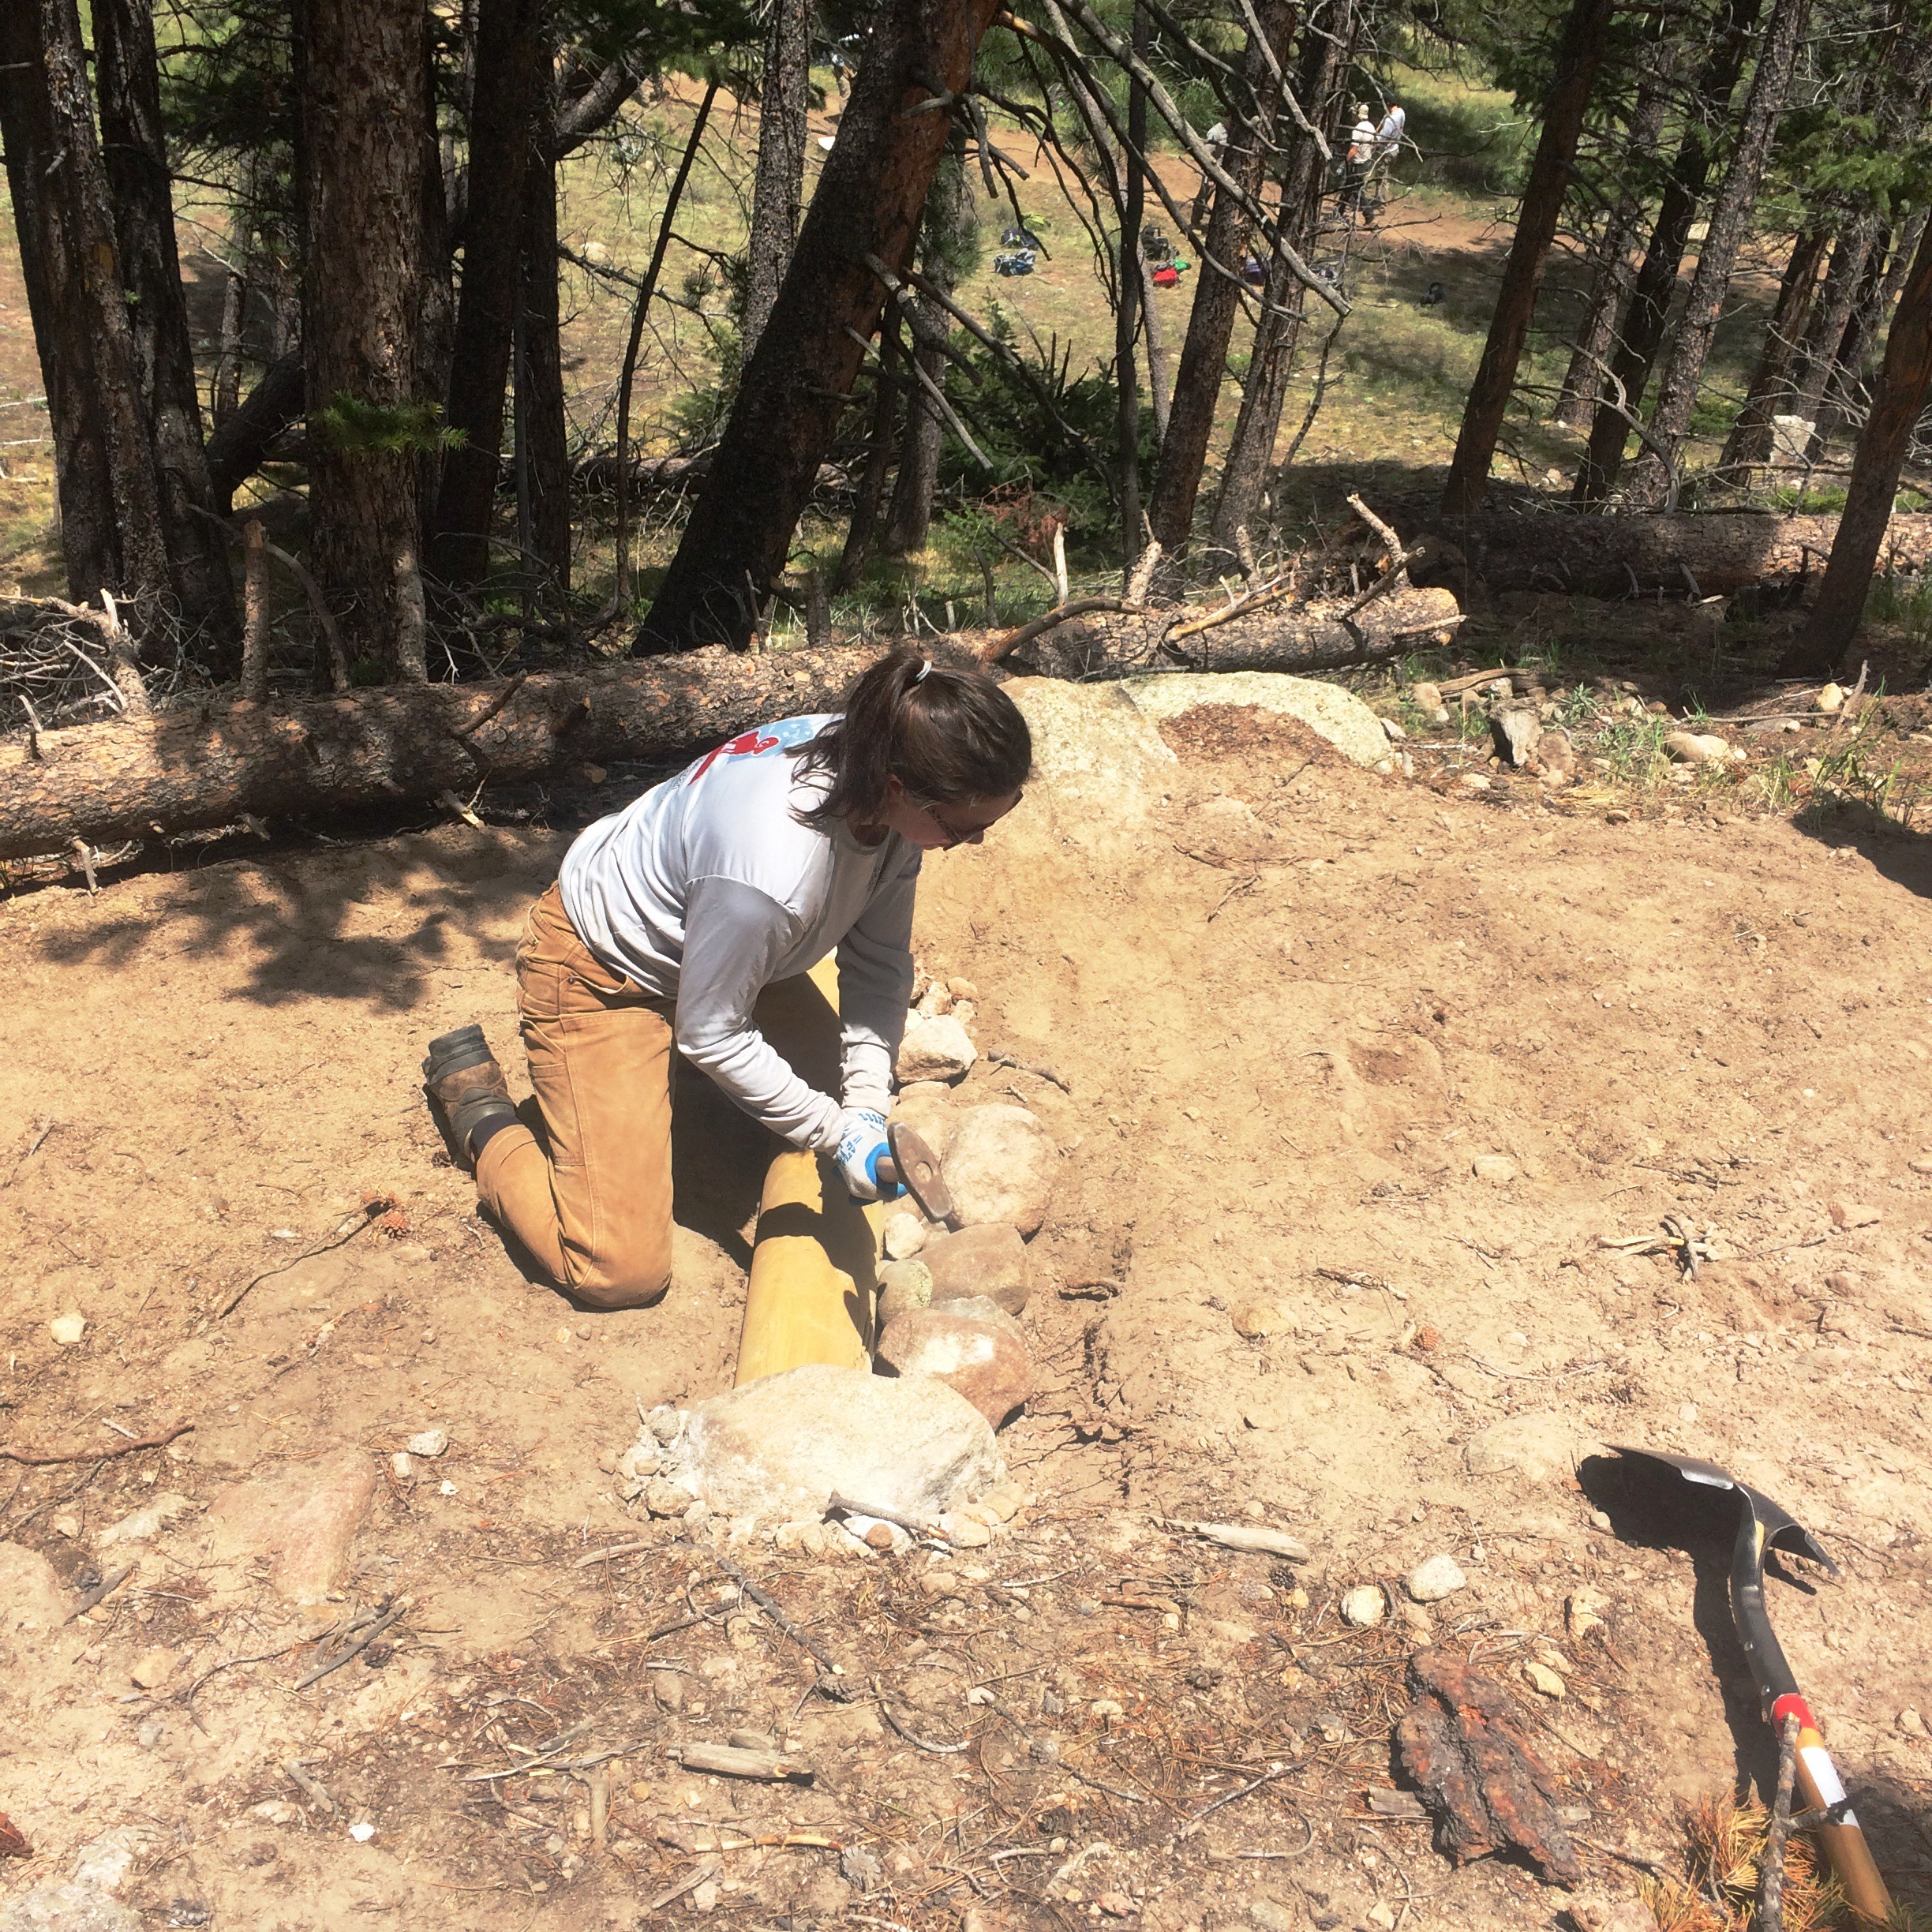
(947, 736)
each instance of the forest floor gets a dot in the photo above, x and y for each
(1295, 1003)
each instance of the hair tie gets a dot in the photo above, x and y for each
(919, 675)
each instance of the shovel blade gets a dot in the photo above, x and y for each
(1780, 1528)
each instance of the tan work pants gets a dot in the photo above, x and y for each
(593, 1208)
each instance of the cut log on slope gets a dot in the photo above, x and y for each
(198, 766)
(1270, 637)
(1682, 554)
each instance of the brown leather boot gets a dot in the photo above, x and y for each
(467, 1087)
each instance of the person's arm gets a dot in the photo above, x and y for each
(734, 937)
(875, 982)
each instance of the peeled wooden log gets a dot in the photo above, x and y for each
(1680, 553)
(1267, 637)
(194, 767)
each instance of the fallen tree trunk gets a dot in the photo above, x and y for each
(1682, 553)
(1279, 637)
(198, 766)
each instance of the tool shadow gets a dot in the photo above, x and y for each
(1651, 1507)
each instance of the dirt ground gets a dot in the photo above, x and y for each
(1295, 1004)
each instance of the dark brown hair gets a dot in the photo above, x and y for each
(949, 737)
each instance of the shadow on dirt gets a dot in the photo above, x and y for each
(1897, 853)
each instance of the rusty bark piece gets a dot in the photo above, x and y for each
(1461, 1741)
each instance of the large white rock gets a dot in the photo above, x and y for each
(1000, 1164)
(973, 1346)
(1100, 768)
(777, 1448)
(1326, 709)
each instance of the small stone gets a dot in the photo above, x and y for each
(665, 1423)
(66, 1524)
(1473, 781)
(903, 1285)
(1413, 1617)
(789, 1538)
(1830, 699)
(1556, 754)
(1852, 1215)
(431, 1442)
(1003, 1500)
(1393, 731)
(962, 1533)
(302, 1518)
(989, 1262)
(1498, 1170)
(1586, 1611)
(1107, 1707)
(146, 1523)
(1433, 1580)
(1911, 1723)
(903, 1236)
(704, 1897)
(1696, 748)
(67, 1329)
(664, 1498)
(879, 1536)
(667, 1688)
(1001, 1164)
(1921, 1166)
(1425, 697)
(1270, 1916)
(1543, 1681)
(401, 1467)
(153, 1669)
(935, 1048)
(1115, 1904)
(1364, 1606)
(1380, 1916)
(1256, 1320)
(942, 1583)
(1541, 1444)
(973, 1347)
(1515, 734)
(962, 989)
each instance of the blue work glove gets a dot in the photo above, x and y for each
(861, 1146)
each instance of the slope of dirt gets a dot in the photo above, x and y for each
(1294, 1004)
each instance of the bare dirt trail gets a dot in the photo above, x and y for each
(1295, 1003)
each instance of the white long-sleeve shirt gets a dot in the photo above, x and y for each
(707, 889)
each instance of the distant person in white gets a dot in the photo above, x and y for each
(1388, 139)
(668, 922)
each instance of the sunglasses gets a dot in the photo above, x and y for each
(954, 834)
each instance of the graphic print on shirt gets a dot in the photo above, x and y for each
(788, 734)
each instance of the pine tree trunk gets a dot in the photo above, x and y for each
(1749, 443)
(1897, 404)
(878, 456)
(363, 132)
(1654, 478)
(778, 188)
(1211, 321)
(1577, 60)
(1819, 351)
(1129, 292)
(1840, 404)
(110, 493)
(1319, 75)
(135, 156)
(796, 387)
(509, 67)
(1642, 330)
(544, 425)
(440, 200)
(910, 521)
(1613, 271)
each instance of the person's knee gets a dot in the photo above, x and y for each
(609, 1288)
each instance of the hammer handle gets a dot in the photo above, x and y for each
(1822, 1788)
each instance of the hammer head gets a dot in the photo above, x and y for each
(1776, 1527)
(918, 1167)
